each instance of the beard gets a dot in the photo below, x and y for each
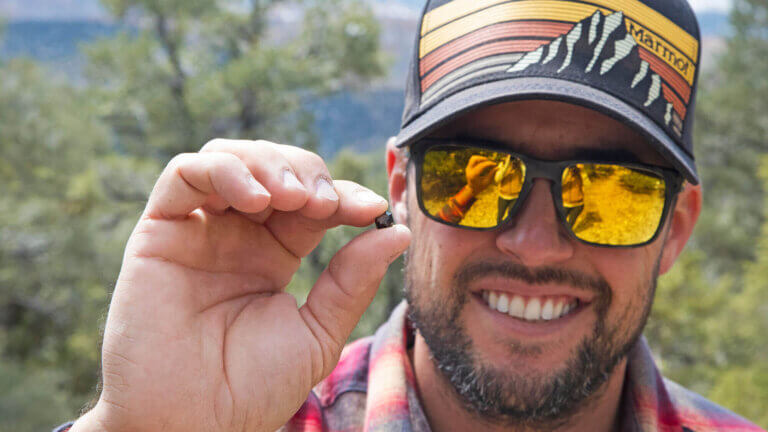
(501, 396)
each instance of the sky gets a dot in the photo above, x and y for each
(711, 5)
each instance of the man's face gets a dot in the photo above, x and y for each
(537, 371)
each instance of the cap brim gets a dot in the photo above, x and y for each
(515, 89)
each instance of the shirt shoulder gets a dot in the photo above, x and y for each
(338, 402)
(699, 414)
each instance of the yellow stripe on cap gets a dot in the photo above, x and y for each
(521, 10)
(452, 10)
(450, 15)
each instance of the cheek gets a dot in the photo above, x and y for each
(438, 250)
(629, 273)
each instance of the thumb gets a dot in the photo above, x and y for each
(346, 288)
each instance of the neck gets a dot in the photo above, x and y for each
(446, 413)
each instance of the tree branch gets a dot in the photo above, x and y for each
(179, 79)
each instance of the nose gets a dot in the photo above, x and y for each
(536, 236)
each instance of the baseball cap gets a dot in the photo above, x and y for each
(634, 60)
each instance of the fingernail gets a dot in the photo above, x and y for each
(369, 197)
(401, 228)
(325, 190)
(257, 187)
(290, 180)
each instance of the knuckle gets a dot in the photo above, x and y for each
(314, 160)
(262, 143)
(181, 159)
(228, 159)
(336, 266)
(214, 144)
(340, 278)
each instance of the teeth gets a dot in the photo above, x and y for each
(533, 310)
(503, 305)
(493, 300)
(517, 307)
(544, 308)
(546, 312)
(558, 312)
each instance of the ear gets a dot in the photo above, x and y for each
(397, 167)
(682, 221)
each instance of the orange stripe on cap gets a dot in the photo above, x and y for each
(487, 50)
(509, 29)
(666, 72)
(670, 96)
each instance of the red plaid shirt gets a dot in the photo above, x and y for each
(373, 389)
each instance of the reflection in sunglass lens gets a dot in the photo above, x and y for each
(471, 187)
(612, 204)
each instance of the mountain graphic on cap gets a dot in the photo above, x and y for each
(613, 50)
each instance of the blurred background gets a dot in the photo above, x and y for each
(97, 95)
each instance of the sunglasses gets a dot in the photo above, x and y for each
(481, 186)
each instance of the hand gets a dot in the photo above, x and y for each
(200, 335)
(480, 172)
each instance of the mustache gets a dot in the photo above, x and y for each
(534, 276)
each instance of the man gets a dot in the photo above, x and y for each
(526, 297)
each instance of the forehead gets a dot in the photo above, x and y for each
(551, 130)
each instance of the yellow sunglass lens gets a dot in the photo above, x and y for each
(470, 187)
(612, 204)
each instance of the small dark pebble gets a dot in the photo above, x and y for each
(385, 221)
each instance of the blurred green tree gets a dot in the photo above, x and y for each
(60, 236)
(711, 312)
(188, 71)
(745, 382)
(732, 123)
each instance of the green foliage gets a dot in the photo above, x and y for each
(65, 218)
(744, 390)
(33, 400)
(686, 325)
(196, 70)
(710, 318)
(732, 123)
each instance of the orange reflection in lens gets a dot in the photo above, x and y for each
(470, 186)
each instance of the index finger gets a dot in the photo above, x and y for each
(358, 206)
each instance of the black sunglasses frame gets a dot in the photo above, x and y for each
(550, 170)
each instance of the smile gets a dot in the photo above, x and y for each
(531, 309)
